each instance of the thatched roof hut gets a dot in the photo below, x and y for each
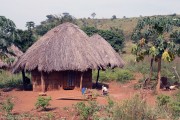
(64, 58)
(14, 53)
(15, 50)
(109, 56)
(65, 47)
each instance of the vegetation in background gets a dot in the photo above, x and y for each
(53, 21)
(114, 36)
(26, 37)
(9, 80)
(119, 75)
(175, 36)
(150, 32)
(8, 33)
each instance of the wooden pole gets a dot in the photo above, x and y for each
(81, 81)
(42, 82)
(97, 78)
(23, 78)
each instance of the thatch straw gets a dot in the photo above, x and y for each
(15, 50)
(65, 47)
(14, 53)
(109, 56)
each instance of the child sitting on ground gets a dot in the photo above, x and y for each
(104, 90)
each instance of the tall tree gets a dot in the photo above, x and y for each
(26, 37)
(150, 37)
(30, 25)
(93, 15)
(8, 34)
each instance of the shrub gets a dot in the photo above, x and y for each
(42, 102)
(175, 105)
(175, 108)
(120, 75)
(10, 80)
(133, 109)
(163, 100)
(87, 111)
(7, 106)
(124, 76)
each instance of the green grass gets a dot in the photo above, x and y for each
(118, 74)
(8, 79)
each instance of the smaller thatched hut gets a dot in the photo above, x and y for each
(13, 53)
(106, 52)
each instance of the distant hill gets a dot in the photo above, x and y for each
(126, 24)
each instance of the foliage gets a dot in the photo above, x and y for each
(114, 37)
(87, 110)
(120, 75)
(9, 80)
(134, 109)
(113, 17)
(7, 106)
(42, 102)
(163, 100)
(53, 21)
(8, 33)
(152, 42)
(168, 107)
(93, 15)
(27, 38)
(176, 36)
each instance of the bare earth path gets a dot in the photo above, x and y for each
(25, 100)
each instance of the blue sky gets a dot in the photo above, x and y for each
(21, 11)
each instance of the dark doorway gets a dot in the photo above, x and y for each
(70, 83)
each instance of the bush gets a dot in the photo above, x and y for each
(10, 80)
(133, 109)
(7, 106)
(120, 75)
(163, 100)
(42, 102)
(87, 111)
(175, 108)
(124, 76)
(168, 108)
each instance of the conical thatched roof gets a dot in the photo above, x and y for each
(109, 56)
(65, 47)
(16, 51)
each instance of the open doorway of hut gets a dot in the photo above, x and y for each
(70, 82)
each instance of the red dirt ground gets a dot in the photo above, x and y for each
(24, 100)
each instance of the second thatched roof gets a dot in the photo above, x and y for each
(65, 47)
(109, 56)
